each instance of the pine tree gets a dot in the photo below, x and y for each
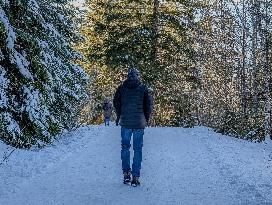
(40, 83)
(152, 36)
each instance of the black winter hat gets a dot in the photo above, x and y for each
(133, 73)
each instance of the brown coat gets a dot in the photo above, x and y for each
(107, 108)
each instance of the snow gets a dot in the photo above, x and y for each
(1, 55)
(70, 93)
(4, 82)
(36, 112)
(10, 33)
(33, 5)
(52, 29)
(11, 125)
(6, 2)
(22, 64)
(15, 57)
(180, 166)
(61, 17)
(79, 70)
(42, 44)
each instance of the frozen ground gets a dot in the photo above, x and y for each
(180, 166)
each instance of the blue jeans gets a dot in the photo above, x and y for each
(107, 121)
(137, 147)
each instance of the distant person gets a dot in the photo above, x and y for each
(107, 108)
(133, 105)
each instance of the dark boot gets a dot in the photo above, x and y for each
(127, 177)
(135, 181)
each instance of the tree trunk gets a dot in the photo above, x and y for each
(155, 23)
(255, 20)
(243, 69)
(267, 107)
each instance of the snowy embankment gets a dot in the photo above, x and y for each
(180, 166)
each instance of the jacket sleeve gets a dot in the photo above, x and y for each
(148, 104)
(117, 102)
(110, 106)
(104, 107)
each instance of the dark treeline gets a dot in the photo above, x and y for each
(206, 62)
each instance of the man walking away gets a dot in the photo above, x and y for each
(107, 108)
(133, 105)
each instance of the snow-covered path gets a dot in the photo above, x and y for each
(180, 166)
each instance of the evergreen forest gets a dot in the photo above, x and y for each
(205, 62)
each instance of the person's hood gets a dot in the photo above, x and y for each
(131, 83)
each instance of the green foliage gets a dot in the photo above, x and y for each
(41, 87)
(121, 34)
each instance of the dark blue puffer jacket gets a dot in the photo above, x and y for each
(133, 104)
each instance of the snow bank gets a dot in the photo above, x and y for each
(22, 164)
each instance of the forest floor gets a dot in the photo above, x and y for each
(180, 166)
